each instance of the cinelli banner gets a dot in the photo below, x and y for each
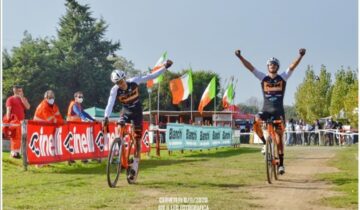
(183, 136)
(47, 143)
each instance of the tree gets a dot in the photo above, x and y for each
(75, 60)
(312, 97)
(351, 104)
(343, 82)
(31, 65)
(82, 53)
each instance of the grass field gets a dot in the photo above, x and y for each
(218, 175)
(215, 174)
(346, 180)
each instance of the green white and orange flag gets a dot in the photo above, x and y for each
(228, 96)
(159, 64)
(208, 94)
(181, 87)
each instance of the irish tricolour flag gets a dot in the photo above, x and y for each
(228, 96)
(159, 64)
(208, 95)
(181, 88)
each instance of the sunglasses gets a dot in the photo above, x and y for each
(80, 97)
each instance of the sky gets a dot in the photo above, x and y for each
(204, 34)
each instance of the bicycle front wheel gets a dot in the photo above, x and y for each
(113, 167)
(275, 160)
(130, 173)
(268, 160)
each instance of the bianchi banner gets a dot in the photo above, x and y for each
(189, 137)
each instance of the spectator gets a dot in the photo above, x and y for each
(290, 127)
(307, 129)
(329, 137)
(47, 110)
(316, 134)
(75, 111)
(15, 112)
(317, 125)
(298, 131)
(339, 134)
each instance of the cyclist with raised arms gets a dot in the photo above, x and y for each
(273, 88)
(128, 94)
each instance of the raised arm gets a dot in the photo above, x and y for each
(246, 63)
(296, 62)
(143, 79)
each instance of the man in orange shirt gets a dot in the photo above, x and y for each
(47, 110)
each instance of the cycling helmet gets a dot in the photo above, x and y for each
(117, 75)
(273, 61)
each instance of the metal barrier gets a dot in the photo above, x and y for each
(305, 138)
(319, 137)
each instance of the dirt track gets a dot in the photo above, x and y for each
(298, 188)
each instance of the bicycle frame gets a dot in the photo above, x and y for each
(270, 127)
(122, 132)
(274, 136)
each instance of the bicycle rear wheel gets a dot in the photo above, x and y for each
(268, 160)
(113, 167)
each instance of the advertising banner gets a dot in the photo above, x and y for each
(183, 136)
(48, 142)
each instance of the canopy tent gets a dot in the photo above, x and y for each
(98, 113)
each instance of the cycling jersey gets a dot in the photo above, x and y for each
(129, 98)
(273, 91)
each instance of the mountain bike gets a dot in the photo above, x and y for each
(121, 155)
(271, 153)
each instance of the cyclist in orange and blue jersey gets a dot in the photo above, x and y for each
(128, 94)
(273, 88)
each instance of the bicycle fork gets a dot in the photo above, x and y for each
(275, 160)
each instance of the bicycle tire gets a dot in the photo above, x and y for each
(268, 160)
(131, 181)
(113, 167)
(275, 157)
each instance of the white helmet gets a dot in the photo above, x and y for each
(117, 75)
(273, 61)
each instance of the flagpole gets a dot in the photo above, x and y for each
(149, 91)
(191, 108)
(215, 108)
(158, 105)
